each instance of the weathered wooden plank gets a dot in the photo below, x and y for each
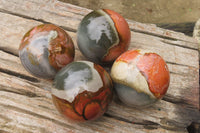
(196, 32)
(24, 112)
(139, 37)
(154, 115)
(117, 110)
(172, 54)
(69, 16)
(8, 61)
(23, 97)
(180, 73)
(177, 89)
(32, 103)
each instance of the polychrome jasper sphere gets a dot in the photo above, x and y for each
(103, 35)
(82, 91)
(140, 77)
(45, 49)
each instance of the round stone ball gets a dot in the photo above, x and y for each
(82, 91)
(45, 49)
(103, 35)
(140, 77)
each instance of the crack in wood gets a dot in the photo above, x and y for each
(194, 127)
(172, 125)
(39, 20)
(178, 101)
(32, 79)
(153, 34)
(40, 129)
(165, 37)
(181, 74)
(68, 29)
(23, 16)
(173, 63)
(5, 118)
(35, 115)
(186, 27)
(164, 41)
(3, 131)
(19, 129)
(149, 123)
(145, 123)
(190, 108)
(19, 92)
(8, 52)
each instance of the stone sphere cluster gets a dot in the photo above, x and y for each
(83, 90)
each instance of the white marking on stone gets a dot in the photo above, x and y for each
(75, 83)
(129, 75)
(37, 47)
(99, 30)
(95, 32)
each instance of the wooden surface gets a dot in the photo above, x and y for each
(25, 103)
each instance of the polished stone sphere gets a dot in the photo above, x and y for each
(103, 35)
(140, 77)
(82, 91)
(45, 49)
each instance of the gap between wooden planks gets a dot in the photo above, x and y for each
(173, 114)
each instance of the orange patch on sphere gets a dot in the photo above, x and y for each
(156, 72)
(66, 109)
(61, 50)
(92, 110)
(80, 101)
(128, 56)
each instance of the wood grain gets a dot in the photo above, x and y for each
(196, 31)
(25, 103)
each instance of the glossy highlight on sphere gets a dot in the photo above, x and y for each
(82, 91)
(140, 77)
(45, 49)
(103, 35)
